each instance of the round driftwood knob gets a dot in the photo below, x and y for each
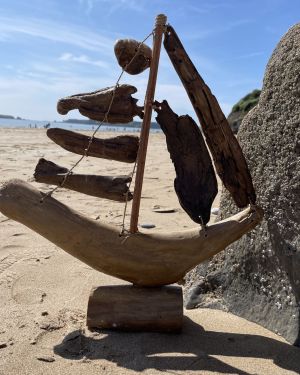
(126, 49)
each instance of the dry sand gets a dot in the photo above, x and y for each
(44, 291)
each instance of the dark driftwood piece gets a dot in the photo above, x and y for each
(94, 105)
(122, 148)
(225, 149)
(134, 54)
(113, 188)
(195, 183)
(131, 308)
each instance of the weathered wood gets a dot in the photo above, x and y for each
(224, 147)
(121, 148)
(145, 259)
(160, 23)
(134, 57)
(94, 105)
(113, 188)
(195, 183)
(131, 308)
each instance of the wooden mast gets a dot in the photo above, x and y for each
(160, 24)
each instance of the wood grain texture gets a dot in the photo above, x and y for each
(145, 259)
(160, 23)
(94, 105)
(107, 187)
(131, 308)
(195, 183)
(227, 154)
(122, 148)
(133, 56)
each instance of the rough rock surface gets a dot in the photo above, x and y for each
(258, 277)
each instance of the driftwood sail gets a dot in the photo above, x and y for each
(108, 187)
(224, 147)
(122, 148)
(195, 183)
(94, 104)
(144, 259)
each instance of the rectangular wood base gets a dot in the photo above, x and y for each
(131, 308)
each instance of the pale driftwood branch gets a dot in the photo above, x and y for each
(95, 105)
(131, 308)
(160, 23)
(195, 183)
(121, 148)
(225, 149)
(113, 188)
(134, 57)
(142, 258)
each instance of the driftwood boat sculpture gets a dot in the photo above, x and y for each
(144, 259)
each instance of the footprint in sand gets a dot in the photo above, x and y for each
(6, 262)
(24, 291)
(10, 247)
(18, 234)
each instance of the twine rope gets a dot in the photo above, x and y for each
(105, 119)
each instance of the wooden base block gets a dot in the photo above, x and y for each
(132, 308)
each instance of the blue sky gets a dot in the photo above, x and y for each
(54, 48)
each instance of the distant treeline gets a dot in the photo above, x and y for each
(133, 124)
(9, 117)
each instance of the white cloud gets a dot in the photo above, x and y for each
(113, 5)
(203, 34)
(56, 32)
(88, 5)
(37, 95)
(83, 59)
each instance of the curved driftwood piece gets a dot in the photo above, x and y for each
(195, 183)
(121, 148)
(113, 188)
(138, 55)
(94, 105)
(144, 259)
(132, 308)
(228, 157)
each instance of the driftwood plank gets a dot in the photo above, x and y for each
(131, 308)
(145, 259)
(94, 105)
(225, 149)
(113, 188)
(121, 148)
(195, 183)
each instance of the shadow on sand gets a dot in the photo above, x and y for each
(192, 350)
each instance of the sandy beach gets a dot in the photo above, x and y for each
(44, 291)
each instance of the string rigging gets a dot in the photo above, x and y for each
(105, 119)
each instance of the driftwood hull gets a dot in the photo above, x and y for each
(143, 259)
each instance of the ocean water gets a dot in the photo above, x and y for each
(13, 123)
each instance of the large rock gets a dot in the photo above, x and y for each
(258, 277)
